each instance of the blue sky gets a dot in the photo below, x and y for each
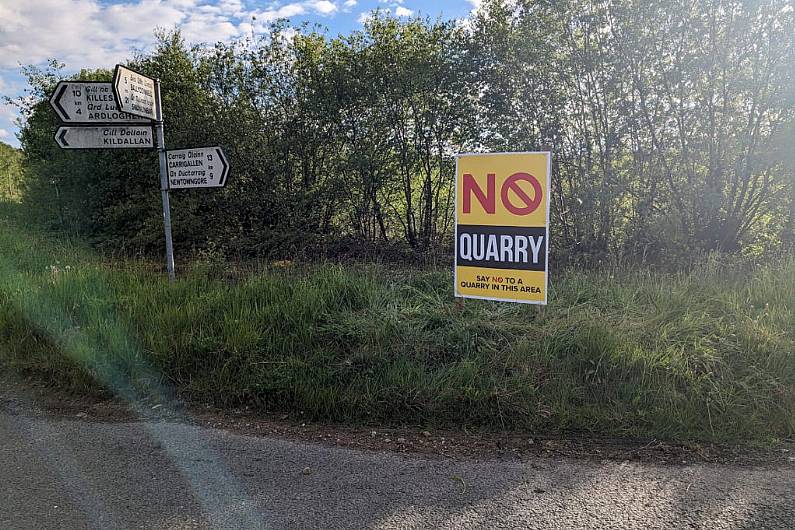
(100, 33)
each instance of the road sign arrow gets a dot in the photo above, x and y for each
(107, 137)
(225, 166)
(55, 101)
(199, 167)
(61, 138)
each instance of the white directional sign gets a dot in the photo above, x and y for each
(110, 137)
(201, 167)
(88, 102)
(134, 92)
(135, 99)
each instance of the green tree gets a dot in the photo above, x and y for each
(10, 172)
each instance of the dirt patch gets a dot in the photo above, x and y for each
(31, 397)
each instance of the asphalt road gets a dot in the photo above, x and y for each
(70, 473)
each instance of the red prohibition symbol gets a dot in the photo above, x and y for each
(512, 184)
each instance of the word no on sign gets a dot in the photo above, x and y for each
(200, 167)
(502, 226)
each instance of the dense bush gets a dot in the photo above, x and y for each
(671, 124)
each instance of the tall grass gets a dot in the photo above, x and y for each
(702, 355)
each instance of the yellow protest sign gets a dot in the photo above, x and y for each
(502, 226)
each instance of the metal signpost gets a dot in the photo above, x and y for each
(133, 98)
(140, 96)
(161, 156)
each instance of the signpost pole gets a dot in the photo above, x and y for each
(136, 99)
(161, 151)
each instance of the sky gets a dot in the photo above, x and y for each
(101, 33)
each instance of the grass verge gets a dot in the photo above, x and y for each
(705, 355)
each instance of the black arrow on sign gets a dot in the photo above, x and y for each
(62, 138)
(56, 101)
(225, 169)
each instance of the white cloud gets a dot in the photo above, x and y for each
(401, 11)
(232, 7)
(323, 7)
(90, 33)
(475, 4)
(285, 11)
(350, 3)
(368, 15)
(8, 112)
(288, 34)
(4, 133)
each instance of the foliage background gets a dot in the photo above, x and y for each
(671, 124)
